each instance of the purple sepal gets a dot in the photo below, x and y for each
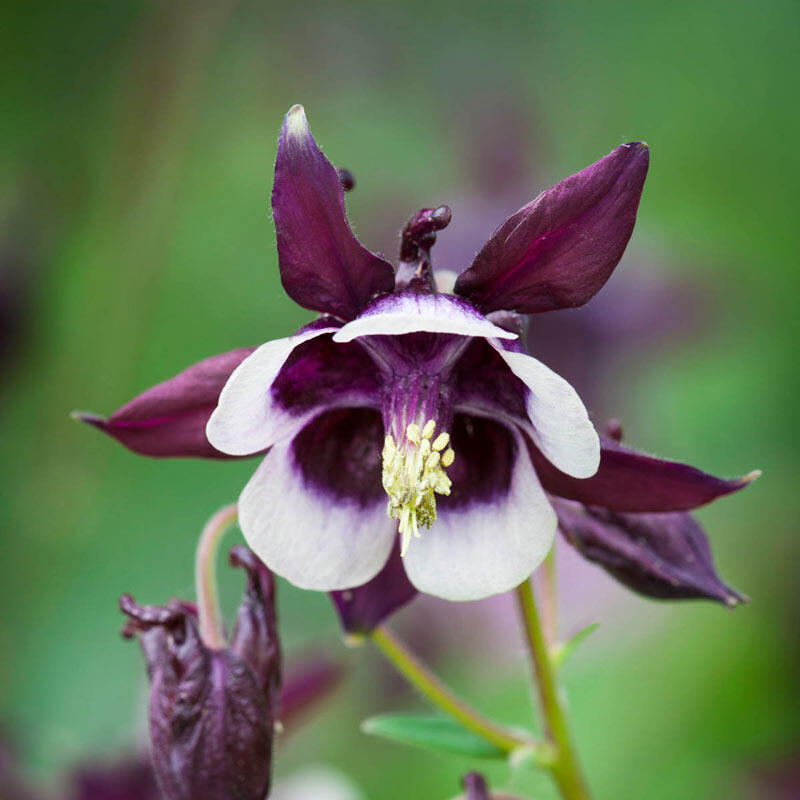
(211, 711)
(665, 556)
(475, 787)
(323, 266)
(559, 250)
(364, 608)
(170, 418)
(634, 482)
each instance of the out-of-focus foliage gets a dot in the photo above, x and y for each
(138, 142)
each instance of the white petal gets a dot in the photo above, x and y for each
(246, 420)
(561, 426)
(311, 538)
(396, 314)
(486, 548)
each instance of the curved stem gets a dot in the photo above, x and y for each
(212, 627)
(442, 696)
(565, 767)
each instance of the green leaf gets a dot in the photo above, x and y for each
(563, 650)
(435, 733)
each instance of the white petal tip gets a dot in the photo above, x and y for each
(588, 468)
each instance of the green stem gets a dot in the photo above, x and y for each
(212, 627)
(408, 665)
(565, 767)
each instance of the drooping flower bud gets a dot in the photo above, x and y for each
(665, 556)
(212, 711)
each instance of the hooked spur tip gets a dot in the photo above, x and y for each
(746, 480)
(346, 179)
(89, 418)
(736, 599)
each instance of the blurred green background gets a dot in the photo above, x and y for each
(138, 145)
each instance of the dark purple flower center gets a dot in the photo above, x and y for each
(339, 453)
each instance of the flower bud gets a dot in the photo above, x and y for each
(212, 711)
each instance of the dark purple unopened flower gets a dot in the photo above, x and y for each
(212, 711)
(401, 391)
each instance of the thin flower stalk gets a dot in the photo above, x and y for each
(209, 613)
(419, 676)
(565, 768)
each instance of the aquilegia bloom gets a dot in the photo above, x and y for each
(404, 393)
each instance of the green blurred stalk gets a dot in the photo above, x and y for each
(565, 768)
(416, 673)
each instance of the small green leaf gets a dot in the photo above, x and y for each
(561, 651)
(435, 733)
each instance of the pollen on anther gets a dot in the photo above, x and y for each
(441, 441)
(413, 474)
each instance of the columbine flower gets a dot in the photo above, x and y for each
(212, 711)
(403, 399)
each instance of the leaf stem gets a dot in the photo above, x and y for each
(416, 673)
(565, 768)
(212, 627)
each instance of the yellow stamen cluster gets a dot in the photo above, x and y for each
(413, 474)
